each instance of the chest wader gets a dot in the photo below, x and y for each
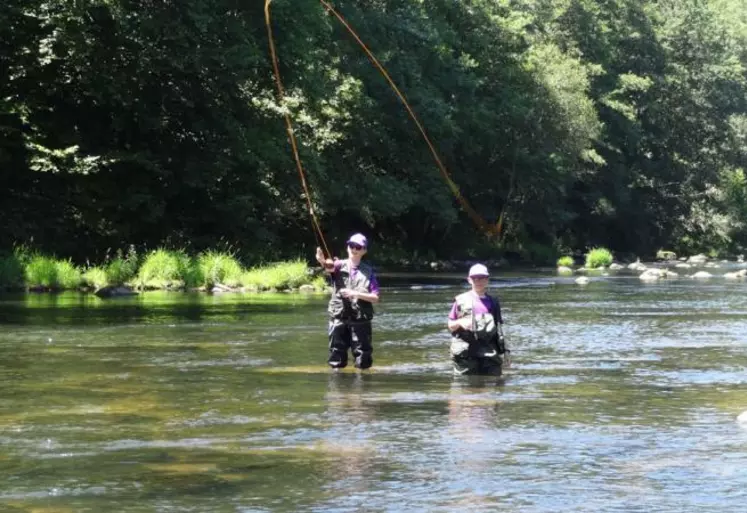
(476, 351)
(350, 319)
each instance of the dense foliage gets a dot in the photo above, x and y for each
(616, 123)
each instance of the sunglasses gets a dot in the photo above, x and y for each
(357, 247)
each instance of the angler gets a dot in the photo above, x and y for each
(351, 305)
(475, 322)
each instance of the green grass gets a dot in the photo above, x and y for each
(96, 277)
(50, 273)
(160, 269)
(41, 271)
(319, 283)
(220, 268)
(278, 276)
(598, 257)
(122, 269)
(168, 269)
(565, 261)
(69, 276)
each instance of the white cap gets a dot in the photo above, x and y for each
(478, 270)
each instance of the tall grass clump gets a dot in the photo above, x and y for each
(166, 269)
(280, 276)
(598, 257)
(319, 283)
(96, 277)
(565, 261)
(219, 268)
(122, 268)
(41, 271)
(68, 275)
(294, 273)
(49, 273)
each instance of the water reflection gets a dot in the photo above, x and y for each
(154, 307)
(350, 442)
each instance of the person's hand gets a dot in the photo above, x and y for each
(348, 293)
(465, 323)
(320, 256)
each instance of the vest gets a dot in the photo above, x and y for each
(483, 325)
(351, 309)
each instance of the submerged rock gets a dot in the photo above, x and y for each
(582, 280)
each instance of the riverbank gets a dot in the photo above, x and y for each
(161, 269)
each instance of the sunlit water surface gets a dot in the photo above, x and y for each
(623, 396)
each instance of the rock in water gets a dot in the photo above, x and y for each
(115, 292)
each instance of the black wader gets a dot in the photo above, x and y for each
(350, 319)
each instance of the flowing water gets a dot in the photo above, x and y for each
(623, 396)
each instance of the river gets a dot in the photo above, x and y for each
(623, 396)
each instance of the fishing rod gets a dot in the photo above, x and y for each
(292, 137)
(490, 230)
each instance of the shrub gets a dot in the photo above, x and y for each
(565, 261)
(11, 271)
(598, 257)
